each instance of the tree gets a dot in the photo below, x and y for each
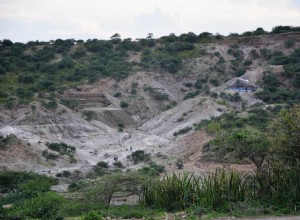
(116, 38)
(7, 43)
(244, 144)
(285, 135)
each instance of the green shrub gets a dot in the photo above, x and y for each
(198, 83)
(50, 104)
(62, 148)
(182, 131)
(118, 164)
(289, 43)
(247, 62)
(43, 206)
(159, 96)
(215, 82)
(92, 215)
(123, 104)
(188, 84)
(191, 95)
(139, 156)
(118, 94)
(49, 156)
(179, 164)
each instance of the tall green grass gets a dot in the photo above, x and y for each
(177, 192)
(278, 187)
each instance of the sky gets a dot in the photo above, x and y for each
(44, 20)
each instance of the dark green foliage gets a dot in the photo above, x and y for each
(182, 131)
(191, 95)
(202, 124)
(198, 84)
(6, 141)
(7, 43)
(139, 156)
(101, 168)
(152, 170)
(48, 155)
(62, 148)
(50, 104)
(266, 53)
(239, 72)
(289, 43)
(188, 84)
(284, 29)
(15, 181)
(118, 94)
(78, 53)
(247, 62)
(92, 215)
(102, 164)
(179, 164)
(254, 54)
(178, 46)
(43, 206)
(123, 104)
(118, 164)
(66, 63)
(98, 45)
(70, 103)
(215, 82)
(88, 115)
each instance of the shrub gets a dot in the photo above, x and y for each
(191, 95)
(62, 148)
(160, 96)
(92, 215)
(139, 156)
(215, 82)
(118, 94)
(49, 156)
(289, 43)
(239, 72)
(179, 164)
(248, 62)
(188, 84)
(50, 104)
(118, 164)
(123, 104)
(198, 83)
(43, 206)
(182, 131)
(102, 164)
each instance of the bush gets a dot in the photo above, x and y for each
(92, 215)
(289, 43)
(49, 156)
(182, 131)
(43, 206)
(248, 62)
(118, 164)
(191, 95)
(50, 104)
(198, 83)
(123, 104)
(139, 156)
(179, 164)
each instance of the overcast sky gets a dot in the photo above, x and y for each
(26, 20)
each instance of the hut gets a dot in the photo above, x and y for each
(241, 85)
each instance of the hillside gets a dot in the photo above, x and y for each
(120, 110)
(103, 97)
